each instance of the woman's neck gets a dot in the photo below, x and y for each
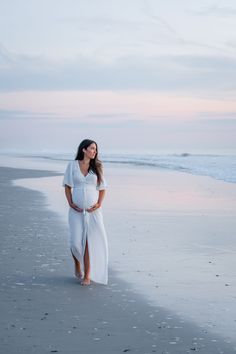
(85, 162)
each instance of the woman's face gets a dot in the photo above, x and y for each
(91, 151)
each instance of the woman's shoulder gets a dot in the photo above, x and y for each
(71, 162)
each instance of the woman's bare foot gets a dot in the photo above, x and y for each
(78, 273)
(85, 281)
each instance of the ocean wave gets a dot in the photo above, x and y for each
(220, 167)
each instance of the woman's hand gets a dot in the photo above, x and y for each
(94, 207)
(75, 207)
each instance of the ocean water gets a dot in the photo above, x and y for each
(220, 167)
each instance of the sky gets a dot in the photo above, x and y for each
(133, 75)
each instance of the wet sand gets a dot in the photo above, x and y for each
(43, 307)
(170, 236)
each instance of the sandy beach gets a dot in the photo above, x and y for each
(142, 93)
(171, 277)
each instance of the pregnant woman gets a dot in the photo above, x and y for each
(85, 186)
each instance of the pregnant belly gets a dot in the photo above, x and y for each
(85, 198)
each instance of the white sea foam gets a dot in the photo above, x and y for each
(222, 167)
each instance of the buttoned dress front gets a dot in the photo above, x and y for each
(87, 225)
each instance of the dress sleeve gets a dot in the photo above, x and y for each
(68, 176)
(103, 185)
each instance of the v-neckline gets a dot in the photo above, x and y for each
(81, 171)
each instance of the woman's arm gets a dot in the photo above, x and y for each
(101, 196)
(69, 199)
(68, 194)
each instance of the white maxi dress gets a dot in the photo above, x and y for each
(87, 225)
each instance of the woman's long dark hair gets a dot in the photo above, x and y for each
(95, 165)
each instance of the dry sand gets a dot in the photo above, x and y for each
(44, 309)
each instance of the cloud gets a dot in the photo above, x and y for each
(227, 115)
(223, 122)
(21, 114)
(101, 119)
(231, 43)
(215, 10)
(223, 119)
(165, 73)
